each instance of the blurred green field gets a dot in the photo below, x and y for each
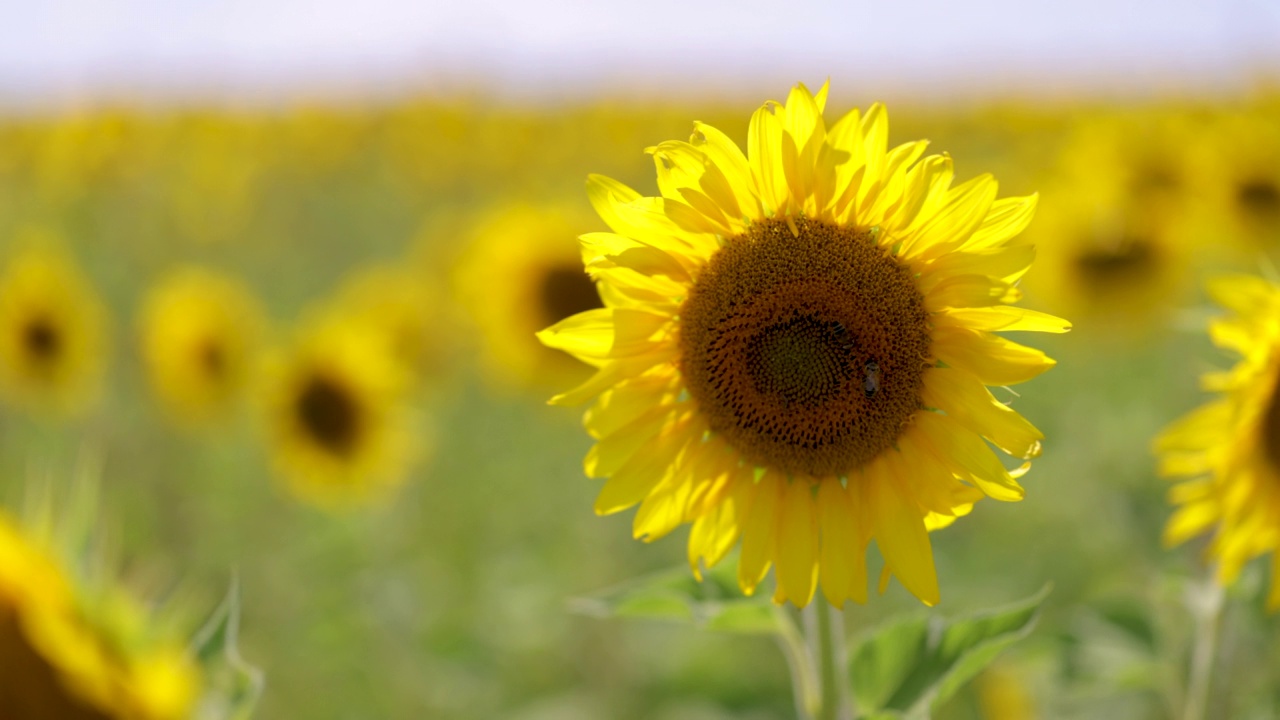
(449, 598)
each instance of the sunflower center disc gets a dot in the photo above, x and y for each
(806, 352)
(1269, 432)
(32, 688)
(41, 339)
(329, 414)
(1129, 258)
(567, 291)
(1260, 197)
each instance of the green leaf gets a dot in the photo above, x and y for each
(1133, 619)
(676, 596)
(231, 685)
(913, 665)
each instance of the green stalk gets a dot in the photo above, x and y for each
(1206, 606)
(804, 679)
(824, 626)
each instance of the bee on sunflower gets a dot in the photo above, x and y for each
(795, 348)
(335, 413)
(200, 341)
(52, 329)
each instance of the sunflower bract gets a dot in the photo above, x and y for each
(795, 347)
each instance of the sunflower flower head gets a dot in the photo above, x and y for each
(1226, 453)
(533, 251)
(200, 339)
(795, 345)
(52, 328)
(75, 650)
(336, 414)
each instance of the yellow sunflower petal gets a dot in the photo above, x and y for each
(902, 539)
(797, 558)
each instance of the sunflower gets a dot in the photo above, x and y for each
(1241, 165)
(404, 307)
(51, 329)
(336, 415)
(75, 655)
(200, 335)
(795, 346)
(1115, 263)
(1230, 447)
(542, 280)
(1117, 247)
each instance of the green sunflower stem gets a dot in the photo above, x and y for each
(804, 677)
(824, 629)
(1206, 604)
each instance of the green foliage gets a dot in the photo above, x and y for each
(232, 685)
(675, 595)
(911, 666)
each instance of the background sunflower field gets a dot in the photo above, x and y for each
(295, 343)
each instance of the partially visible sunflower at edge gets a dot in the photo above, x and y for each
(795, 348)
(336, 417)
(534, 253)
(201, 333)
(1227, 452)
(52, 328)
(68, 653)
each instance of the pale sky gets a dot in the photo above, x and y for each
(56, 50)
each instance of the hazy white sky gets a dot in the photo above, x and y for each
(60, 49)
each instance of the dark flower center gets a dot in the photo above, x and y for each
(32, 689)
(42, 340)
(567, 291)
(1259, 197)
(1118, 263)
(807, 351)
(330, 414)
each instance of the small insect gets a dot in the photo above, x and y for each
(871, 378)
(842, 335)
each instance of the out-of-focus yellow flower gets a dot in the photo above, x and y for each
(1240, 162)
(1115, 237)
(1114, 266)
(336, 416)
(405, 308)
(201, 333)
(521, 272)
(1230, 447)
(52, 329)
(796, 346)
(75, 654)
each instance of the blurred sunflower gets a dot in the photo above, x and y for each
(534, 253)
(404, 307)
(1115, 265)
(76, 655)
(335, 413)
(200, 338)
(1241, 166)
(1115, 243)
(795, 346)
(52, 328)
(1230, 447)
